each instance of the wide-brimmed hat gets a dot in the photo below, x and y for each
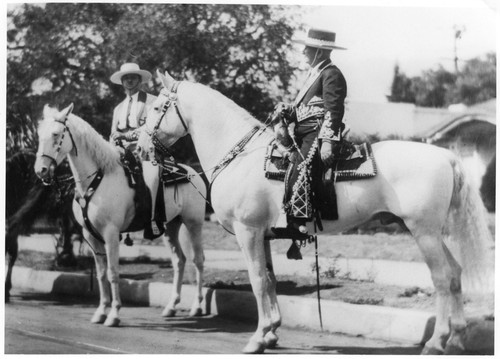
(130, 68)
(321, 39)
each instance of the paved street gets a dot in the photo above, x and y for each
(45, 324)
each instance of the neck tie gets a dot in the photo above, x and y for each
(128, 112)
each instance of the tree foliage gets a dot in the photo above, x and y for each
(60, 53)
(475, 83)
(401, 88)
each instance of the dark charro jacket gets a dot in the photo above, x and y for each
(322, 97)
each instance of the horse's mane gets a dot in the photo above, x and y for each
(89, 140)
(222, 104)
(103, 152)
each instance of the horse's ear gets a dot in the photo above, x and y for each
(46, 110)
(166, 80)
(67, 110)
(64, 113)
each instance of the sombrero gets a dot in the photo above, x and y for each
(321, 39)
(130, 68)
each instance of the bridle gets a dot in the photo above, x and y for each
(172, 99)
(59, 145)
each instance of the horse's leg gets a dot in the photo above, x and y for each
(101, 265)
(11, 248)
(271, 338)
(192, 232)
(112, 239)
(458, 324)
(446, 279)
(66, 228)
(171, 239)
(251, 242)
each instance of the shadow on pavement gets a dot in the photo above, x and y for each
(206, 324)
(414, 350)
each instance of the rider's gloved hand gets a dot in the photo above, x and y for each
(328, 150)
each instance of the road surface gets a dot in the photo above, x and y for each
(46, 324)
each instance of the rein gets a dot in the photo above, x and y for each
(235, 151)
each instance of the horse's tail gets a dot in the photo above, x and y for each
(468, 229)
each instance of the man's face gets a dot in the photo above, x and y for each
(310, 53)
(131, 81)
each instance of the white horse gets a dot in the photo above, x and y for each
(418, 185)
(111, 208)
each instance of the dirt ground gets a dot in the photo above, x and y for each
(331, 288)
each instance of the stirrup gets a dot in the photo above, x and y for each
(128, 241)
(154, 229)
(294, 251)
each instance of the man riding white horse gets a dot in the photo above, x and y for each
(128, 116)
(317, 113)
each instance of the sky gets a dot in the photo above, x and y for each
(417, 36)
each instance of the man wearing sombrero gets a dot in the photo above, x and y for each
(128, 116)
(318, 113)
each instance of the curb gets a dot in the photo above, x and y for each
(376, 271)
(376, 322)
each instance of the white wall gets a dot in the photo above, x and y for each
(384, 119)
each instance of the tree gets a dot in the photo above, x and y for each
(431, 88)
(475, 83)
(401, 90)
(54, 56)
(62, 52)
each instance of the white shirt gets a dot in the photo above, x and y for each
(122, 121)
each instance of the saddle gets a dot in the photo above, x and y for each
(171, 174)
(353, 162)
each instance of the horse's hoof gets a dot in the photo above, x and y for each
(112, 322)
(454, 350)
(254, 348)
(196, 313)
(431, 351)
(271, 339)
(98, 318)
(168, 313)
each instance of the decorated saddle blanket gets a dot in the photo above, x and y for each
(354, 162)
(360, 164)
(357, 162)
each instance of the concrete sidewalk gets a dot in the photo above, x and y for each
(377, 271)
(379, 322)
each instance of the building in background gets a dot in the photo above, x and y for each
(470, 132)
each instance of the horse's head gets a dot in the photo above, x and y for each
(54, 142)
(164, 122)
